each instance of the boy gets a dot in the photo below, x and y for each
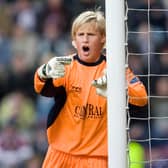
(77, 124)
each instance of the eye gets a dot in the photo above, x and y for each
(91, 34)
(80, 34)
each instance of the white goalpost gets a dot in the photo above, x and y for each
(120, 119)
(115, 38)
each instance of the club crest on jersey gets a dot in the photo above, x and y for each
(76, 89)
(134, 80)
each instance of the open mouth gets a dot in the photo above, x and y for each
(85, 48)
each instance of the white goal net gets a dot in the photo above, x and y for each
(147, 55)
(146, 52)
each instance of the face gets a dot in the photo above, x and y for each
(89, 42)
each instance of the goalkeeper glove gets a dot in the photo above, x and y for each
(55, 68)
(101, 85)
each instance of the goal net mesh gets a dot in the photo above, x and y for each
(146, 25)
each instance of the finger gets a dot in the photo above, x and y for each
(101, 92)
(100, 82)
(57, 74)
(64, 60)
(94, 83)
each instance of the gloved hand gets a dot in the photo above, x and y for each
(101, 85)
(55, 68)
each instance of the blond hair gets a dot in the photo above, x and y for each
(89, 16)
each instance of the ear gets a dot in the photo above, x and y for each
(103, 40)
(74, 44)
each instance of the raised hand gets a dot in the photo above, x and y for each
(55, 68)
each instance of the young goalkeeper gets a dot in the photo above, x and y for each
(77, 124)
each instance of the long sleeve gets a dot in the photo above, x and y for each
(38, 83)
(136, 90)
(46, 87)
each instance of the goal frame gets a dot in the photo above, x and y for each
(116, 94)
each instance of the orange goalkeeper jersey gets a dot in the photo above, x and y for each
(77, 124)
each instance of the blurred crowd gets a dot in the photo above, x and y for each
(33, 31)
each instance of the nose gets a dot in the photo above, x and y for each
(85, 38)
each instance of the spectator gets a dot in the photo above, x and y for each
(20, 75)
(52, 41)
(56, 9)
(14, 147)
(24, 14)
(16, 107)
(159, 64)
(159, 107)
(136, 149)
(25, 42)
